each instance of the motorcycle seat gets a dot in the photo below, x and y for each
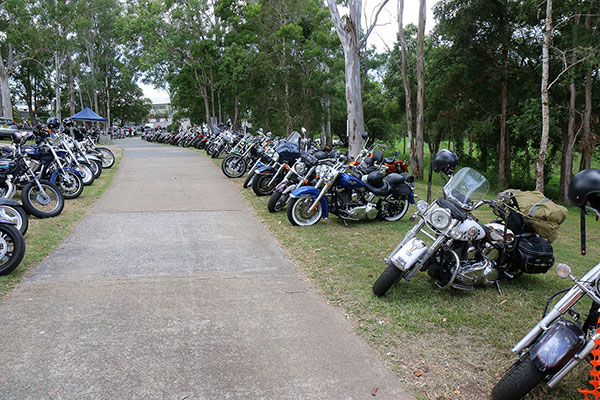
(381, 191)
(389, 160)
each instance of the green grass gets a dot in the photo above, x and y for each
(441, 344)
(45, 235)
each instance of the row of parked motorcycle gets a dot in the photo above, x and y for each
(447, 241)
(57, 165)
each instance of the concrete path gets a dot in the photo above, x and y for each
(172, 289)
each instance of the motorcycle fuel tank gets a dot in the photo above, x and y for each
(348, 181)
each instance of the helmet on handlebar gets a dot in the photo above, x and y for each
(445, 161)
(53, 123)
(67, 121)
(585, 189)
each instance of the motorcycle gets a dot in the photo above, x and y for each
(557, 344)
(464, 253)
(344, 190)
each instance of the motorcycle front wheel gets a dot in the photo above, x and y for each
(70, 184)
(518, 380)
(12, 248)
(300, 214)
(108, 158)
(17, 215)
(386, 280)
(261, 186)
(233, 166)
(277, 201)
(45, 203)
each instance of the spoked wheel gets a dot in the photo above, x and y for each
(86, 172)
(17, 215)
(261, 185)
(70, 184)
(277, 201)
(12, 248)
(233, 166)
(96, 167)
(108, 158)
(394, 209)
(299, 211)
(386, 280)
(46, 202)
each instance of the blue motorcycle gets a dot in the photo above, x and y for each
(351, 193)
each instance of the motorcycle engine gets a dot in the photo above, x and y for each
(368, 211)
(483, 272)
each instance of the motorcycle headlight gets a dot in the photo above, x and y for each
(300, 168)
(320, 170)
(422, 206)
(456, 233)
(275, 156)
(440, 218)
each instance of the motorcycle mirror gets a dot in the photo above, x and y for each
(365, 135)
(395, 153)
(303, 130)
(563, 270)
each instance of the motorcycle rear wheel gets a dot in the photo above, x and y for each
(518, 380)
(12, 248)
(395, 211)
(386, 280)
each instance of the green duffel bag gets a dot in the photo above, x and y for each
(541, 214)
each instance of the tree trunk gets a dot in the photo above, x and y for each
(57, 86)
(566, 165)
(418, 170)
(349, 34)
(236, 110)
(587, 141)
(539, 169)
(212, 92)
(70, 82)
(502, 147)
(328, 138)
(7, 111)
(219, 101)
(406, 83)
(107, 88)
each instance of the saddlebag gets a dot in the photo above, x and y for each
(534, 254)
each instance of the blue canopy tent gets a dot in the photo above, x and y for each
(88, 115)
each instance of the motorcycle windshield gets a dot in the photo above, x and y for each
(294, 137)
(467, 187)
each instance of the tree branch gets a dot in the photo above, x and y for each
(373, 24)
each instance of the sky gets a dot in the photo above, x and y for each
(383, 36)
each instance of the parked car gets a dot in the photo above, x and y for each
(7, 128)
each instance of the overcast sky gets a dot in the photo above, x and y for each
(384, 33)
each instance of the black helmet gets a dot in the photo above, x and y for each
(445, 161)
(53, 123)
(375, 179)
(67, 121)
(320, 155)
(585, 189)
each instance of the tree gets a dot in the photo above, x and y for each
(539, 171)
(420, 139)
(349, 32)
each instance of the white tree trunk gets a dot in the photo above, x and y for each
(57, 85)
(418, 169)
(539, 169)
(6, 102)
(406, 82)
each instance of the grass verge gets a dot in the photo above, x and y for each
(441, 344)
(44, 235)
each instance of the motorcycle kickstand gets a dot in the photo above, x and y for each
(345, 223)
(498, 287)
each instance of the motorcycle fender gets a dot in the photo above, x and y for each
(93, 158)
(314, 193)
(75, 171)
(265, 170)
(9, 202)
(290, 189)
(409, 254)
(557, 346)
